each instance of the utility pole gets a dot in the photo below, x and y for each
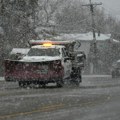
(92, 5)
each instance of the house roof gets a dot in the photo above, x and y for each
(84, 36)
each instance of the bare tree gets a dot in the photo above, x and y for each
(47, 10)
(73, 17)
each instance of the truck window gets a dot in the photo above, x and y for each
(64, 52)
(44, 52)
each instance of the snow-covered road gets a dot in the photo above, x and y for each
(97, 98)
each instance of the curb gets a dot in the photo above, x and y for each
(96, 76)
(99, 86)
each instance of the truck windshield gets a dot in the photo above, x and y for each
(44, 52)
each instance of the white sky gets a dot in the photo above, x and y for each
(111, 6)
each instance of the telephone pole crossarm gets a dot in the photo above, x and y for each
(92, 4)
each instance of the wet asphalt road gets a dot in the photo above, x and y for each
(97, 98)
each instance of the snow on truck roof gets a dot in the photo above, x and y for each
(20, 50)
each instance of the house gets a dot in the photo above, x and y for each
(86, 40)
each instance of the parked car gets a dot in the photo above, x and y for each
(115, 72)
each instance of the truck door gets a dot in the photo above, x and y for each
(66, 63)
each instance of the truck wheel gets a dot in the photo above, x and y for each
(80, 75)
(80, 78)
(77, 82)
(21, 84)
(60, 83)
(43, 85)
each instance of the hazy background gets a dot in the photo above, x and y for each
(111, 6)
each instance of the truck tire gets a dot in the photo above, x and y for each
(80, 76)
(77, 82)
(60, 83)
(43, 85)
(21, 84)
(76, 77)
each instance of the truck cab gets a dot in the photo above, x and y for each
(48, 52)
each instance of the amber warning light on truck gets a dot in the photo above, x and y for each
(47, 44)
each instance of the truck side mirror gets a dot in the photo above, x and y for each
(66, 58)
